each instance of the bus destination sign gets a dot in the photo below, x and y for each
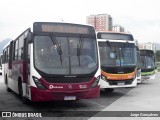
(61, 28)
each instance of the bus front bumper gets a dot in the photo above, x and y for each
(50, 95)
(105, 84)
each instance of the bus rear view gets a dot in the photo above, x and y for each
(118, 60)
(61, 63)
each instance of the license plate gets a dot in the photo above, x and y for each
(121, 83)
(70, 98)
(146, 78)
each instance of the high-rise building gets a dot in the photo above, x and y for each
(101, 22)
(118, 28)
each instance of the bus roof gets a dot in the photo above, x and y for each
(146, 51)
(111, 35)
(114, 32)
(7, 44)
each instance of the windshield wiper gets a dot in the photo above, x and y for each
(79, 49)
(58, 46)
(109, 45)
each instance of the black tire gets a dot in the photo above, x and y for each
(7, 88)
(24, 100)
(109, 90)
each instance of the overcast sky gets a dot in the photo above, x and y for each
(139, 17)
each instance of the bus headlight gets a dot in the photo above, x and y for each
(38, 83)
(96, 82)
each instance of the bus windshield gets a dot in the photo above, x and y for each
(65, 55)
(114, 54)
(147, 62)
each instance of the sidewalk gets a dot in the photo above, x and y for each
(145, 97)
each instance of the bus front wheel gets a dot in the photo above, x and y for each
(109, 90)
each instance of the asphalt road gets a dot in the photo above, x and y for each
(10, 101)
(144, 98)
(140, 103)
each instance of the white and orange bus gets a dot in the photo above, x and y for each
(57, 61)
(118, 60)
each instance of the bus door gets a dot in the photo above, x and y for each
(10, 59)
(26, 75)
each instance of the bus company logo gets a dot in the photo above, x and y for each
(21, 114)
(6, 114)
(70, 86)
(70, 76)
(121, 72)
(54, 87)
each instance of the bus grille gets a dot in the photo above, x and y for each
(68, 80)
(115, 82)
(117, 70)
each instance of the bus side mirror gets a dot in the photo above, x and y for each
(29, 37)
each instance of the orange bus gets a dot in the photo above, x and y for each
(118, 60)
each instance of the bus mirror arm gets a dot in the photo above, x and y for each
(29, 37)
(28, 69)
